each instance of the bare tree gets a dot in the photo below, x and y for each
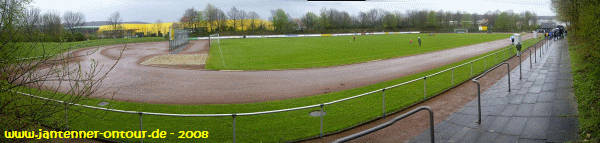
(200, 18)
(242, 15)
(32, 17)
(221, 19)
(310, 20)
(189, 17)
(115, 22)
(52, 26)
(253, 16)
(26, 67)
(234, 14)
(213, 16)
(31, 21)
(72, 20)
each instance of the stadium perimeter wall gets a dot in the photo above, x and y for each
(303, 35)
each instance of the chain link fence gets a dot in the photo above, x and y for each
(178, 40)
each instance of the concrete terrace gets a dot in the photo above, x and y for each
(540, 108)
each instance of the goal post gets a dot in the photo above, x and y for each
(461, 30)
(214, 41)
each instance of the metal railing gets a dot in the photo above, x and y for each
(476, 79)
(389, 123)
(321, 106)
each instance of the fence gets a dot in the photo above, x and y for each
(475, 80)
(544, 46)
(178, 40)
(389, 123)
(302, 35)
(432, 84)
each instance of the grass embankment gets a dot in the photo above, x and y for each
(277, 127)
(311, 52)
(586, 84)
(29, 49)
(583, 27)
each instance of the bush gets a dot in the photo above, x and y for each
(74, 37)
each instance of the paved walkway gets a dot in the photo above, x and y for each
(540, 108)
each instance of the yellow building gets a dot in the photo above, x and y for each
(132, 29)
(163, 28)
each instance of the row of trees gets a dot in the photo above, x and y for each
(53, 27)
(332, 20)
(50, 26)
(216, 20)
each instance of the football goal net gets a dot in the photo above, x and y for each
(461, 30)
(214, 41)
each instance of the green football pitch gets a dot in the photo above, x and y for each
(311, 52)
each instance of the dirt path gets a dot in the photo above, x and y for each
(131, 81)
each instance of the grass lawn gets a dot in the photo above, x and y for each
(277, 127)
(310, 52)
(28, 49)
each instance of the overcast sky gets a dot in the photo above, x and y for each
(172, 10)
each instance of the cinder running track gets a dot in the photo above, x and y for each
(131, 81)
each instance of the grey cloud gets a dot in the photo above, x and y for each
(171, 10)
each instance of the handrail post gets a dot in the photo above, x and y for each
(508, 72)
(485, 63)
(476, 80)
(389, 123)
(431, 126)
(66, 117)
(478, 102)
(520, 69)
(321, 114)
(383, 102)
(541, 53)
(471, 69)
(424, 87)
(141, 126)
(233, 126)
(535, 54)
(452, 76)
(506, 52)
(530, 65)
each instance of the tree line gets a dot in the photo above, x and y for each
(50, 26)
(212, 19)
